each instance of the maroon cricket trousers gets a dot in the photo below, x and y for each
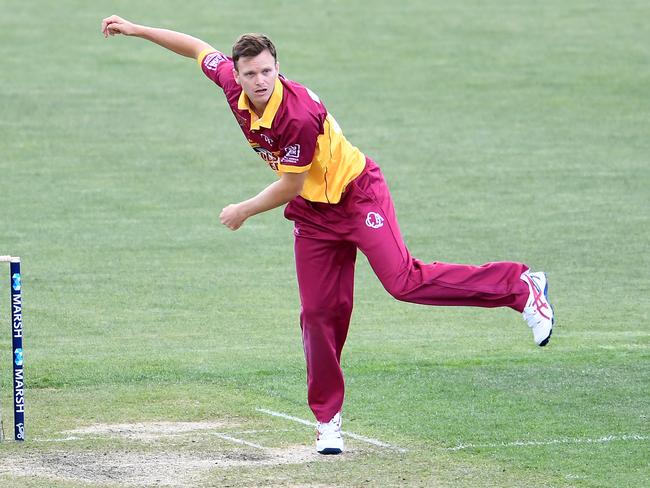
(326, 241)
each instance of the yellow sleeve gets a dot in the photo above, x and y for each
(287, 168)
(203, 54)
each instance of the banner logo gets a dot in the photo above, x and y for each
(15, 281)
(18, 357)
(21, 431)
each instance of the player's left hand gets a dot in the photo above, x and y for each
(233, 216)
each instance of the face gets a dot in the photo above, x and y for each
(257, 75)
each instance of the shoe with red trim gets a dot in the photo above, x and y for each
(329, 439)
(538, 312)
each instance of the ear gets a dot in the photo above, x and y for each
(277, 67)
(235, 73)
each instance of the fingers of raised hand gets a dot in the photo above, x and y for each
(110, 25)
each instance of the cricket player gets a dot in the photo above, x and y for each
(339, 203)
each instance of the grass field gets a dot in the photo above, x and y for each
(506, 130)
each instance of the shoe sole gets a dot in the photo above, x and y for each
(550, 333)
(330, 450)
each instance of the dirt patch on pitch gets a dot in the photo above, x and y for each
(143, 469)
(150, 464)
(147, 431)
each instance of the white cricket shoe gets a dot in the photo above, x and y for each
(538, 312)
(329, 439)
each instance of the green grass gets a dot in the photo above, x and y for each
(506, 130)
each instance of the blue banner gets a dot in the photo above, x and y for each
(17, 348)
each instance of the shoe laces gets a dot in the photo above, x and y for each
(537, 305)
(532, 316)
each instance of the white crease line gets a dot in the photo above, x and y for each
(167, 434)
(263, 431)
(609, 438)
(218, 434)
(64, 439)
(358, 437)
(288, 417)
(237, 441)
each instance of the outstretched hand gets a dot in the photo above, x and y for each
(117, 25)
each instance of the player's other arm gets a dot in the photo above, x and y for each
(278, 193)
(180, 43)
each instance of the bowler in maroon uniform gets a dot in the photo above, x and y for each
(339, 202)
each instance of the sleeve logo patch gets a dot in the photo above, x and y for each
(212, 60)
(291, 154)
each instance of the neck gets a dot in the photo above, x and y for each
(258, 109)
